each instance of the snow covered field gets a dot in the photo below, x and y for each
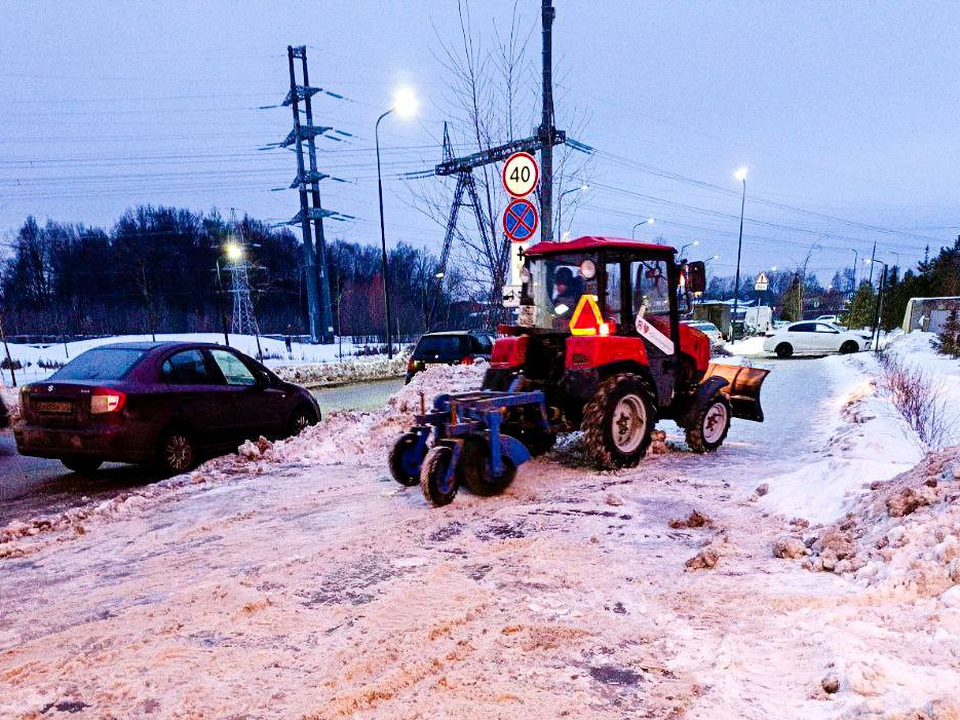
(297, 580)
(314, 365)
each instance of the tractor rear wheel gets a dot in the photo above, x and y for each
(618, 421)
(406, 459)
(710, 426)
(437, 487)
(475, 472)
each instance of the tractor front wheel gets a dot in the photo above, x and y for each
(710, 426)
(439, 486)
(618, 421)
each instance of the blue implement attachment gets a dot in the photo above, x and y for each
(455, 421)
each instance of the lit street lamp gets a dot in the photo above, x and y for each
(741, 175)
(582, 188)
(693, 244)
(405, 104)
(648, 221)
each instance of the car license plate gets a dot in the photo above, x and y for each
(62, 407)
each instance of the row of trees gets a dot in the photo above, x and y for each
(155, 270)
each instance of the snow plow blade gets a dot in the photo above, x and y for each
(742, 389)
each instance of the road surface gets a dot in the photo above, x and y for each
(32, 486)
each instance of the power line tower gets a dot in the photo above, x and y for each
(244, 319)
(307, 183)
(543, 141)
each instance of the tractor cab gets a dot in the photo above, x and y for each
(624, 282)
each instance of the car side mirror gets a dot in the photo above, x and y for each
(696, 277)
(263, 380)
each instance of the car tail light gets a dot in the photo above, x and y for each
(106, 400)
(468, 360)
(411, 365)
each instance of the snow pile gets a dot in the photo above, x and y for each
(348, 371)
(864, 440)
(366, 437)
(903, 536)
(747, 347)
(11, 400)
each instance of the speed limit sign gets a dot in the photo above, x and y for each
(520, 174)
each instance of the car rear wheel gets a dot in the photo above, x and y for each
(784, 350)
(82, 465)
(850, 346)
(176, 451)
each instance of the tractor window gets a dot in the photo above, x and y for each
(611, 298)
(556, 285)
(651, 287)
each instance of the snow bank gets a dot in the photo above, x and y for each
(341, 438)
(11, 400)
(751, 346)
(348, 371)
(864, 440)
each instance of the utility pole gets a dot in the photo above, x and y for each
(13, 372)
(873, 259)
(319, 311)
(878, 309)
(546, 125)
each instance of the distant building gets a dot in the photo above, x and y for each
(929, 314)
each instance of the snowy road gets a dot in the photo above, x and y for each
(31, 486)
(318, 588)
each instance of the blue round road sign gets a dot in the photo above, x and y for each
(520, 220)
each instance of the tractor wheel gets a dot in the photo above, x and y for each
(406, 460)
(436, 488)
(618, 421)
(850, 346)
(710, 427)
(784, 350)
(475, 472)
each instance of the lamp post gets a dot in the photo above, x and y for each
(582, 188)
(856, 264)
(894, 252)
(648, 221)
(693, 244)
(405, 103)
(878, 311)
(741, 175)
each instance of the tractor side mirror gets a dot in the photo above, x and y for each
(696, 277)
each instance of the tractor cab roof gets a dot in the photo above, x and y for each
(592, 242)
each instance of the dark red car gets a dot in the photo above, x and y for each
(168, 404)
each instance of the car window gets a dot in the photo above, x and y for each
(233, 369)
(801, 327)
(440, 345)
(187, 368)
(824, 328)
(99, 364)
(481, 344)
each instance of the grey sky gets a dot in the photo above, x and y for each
(848, 110)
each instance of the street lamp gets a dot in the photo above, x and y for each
(693, 244)
(894, 252)
(233, 251)
(648, 221)
(582, 188)
(405, 104)
(878, 311)
(741, 175)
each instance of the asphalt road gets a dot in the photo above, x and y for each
(34, 486)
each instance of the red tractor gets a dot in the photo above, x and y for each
(598, 347)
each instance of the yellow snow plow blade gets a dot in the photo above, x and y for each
(743, 388)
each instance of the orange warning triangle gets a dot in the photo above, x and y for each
(586, 323)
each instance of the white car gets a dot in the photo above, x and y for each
(814, 337)
(708, 329)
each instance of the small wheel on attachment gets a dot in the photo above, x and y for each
(406, 458)
(439, 486)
